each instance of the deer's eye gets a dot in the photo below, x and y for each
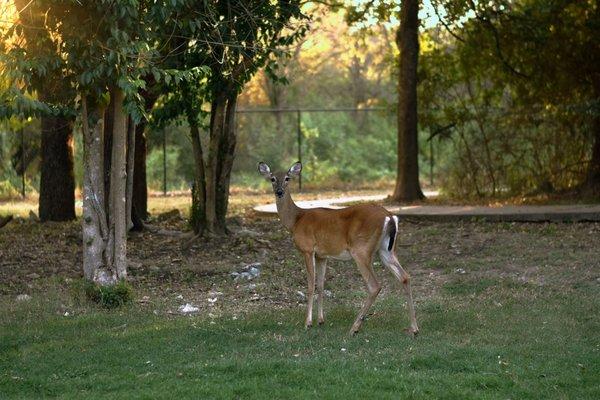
(272, 179)
(287, 178)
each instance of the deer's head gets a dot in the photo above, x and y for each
(280, 180)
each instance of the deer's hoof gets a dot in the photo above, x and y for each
(321, 321)
(308, 325)
(412, 332)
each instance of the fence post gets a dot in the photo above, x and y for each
(164, 143)
(22, 164)
(299, 132)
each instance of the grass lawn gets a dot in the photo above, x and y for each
(490, 340)
(506, 311)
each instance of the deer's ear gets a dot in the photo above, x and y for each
(264, 170)
(295, 169)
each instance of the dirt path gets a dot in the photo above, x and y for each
(509, 213)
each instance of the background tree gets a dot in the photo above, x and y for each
(107, 48)
(407, 186)
(57, 182)
(232, 50)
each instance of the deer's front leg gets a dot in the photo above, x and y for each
(309, 259)
(321, 270)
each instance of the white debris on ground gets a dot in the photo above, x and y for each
(247, 273)
(188, 309)
(23, 297)
(460, 271)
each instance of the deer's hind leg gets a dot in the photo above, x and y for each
(364, 262)
(391, 262)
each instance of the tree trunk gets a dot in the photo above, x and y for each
(217, 170)
(140, 186)
(217, 117)
(57, 182)
(407, 39)
(130, 171)
(109, 116)
(593, 174)
(225, 164)
(118, 185)
(95, 230)
(198, 214)
(592, 181)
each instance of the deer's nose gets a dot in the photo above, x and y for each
(279, 192)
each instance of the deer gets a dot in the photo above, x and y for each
(357, 232)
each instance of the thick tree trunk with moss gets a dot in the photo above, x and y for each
(407, 39)
(57, 182)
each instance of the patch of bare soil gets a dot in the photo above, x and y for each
(35, 256)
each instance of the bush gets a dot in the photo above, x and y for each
(112, 296)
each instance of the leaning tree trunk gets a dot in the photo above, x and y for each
(407, 39)
(57, 182)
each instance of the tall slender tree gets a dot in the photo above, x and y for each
(407, 187)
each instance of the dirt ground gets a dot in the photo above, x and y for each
(441, 257)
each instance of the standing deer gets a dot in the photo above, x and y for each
(356, 232)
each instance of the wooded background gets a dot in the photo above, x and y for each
(96, 97)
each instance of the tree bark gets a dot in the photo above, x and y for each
(57, 182)
(118, 184)
(225, 164)
(95, 230)
(211, 188)
(407, 39)
(198, 216)
(593, 174)
(592, 181)
(109, 116)
(130, 171)
(140, 186)
(217, 117)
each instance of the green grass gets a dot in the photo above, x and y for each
(478, 340)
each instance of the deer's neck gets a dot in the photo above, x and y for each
(288, 211)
